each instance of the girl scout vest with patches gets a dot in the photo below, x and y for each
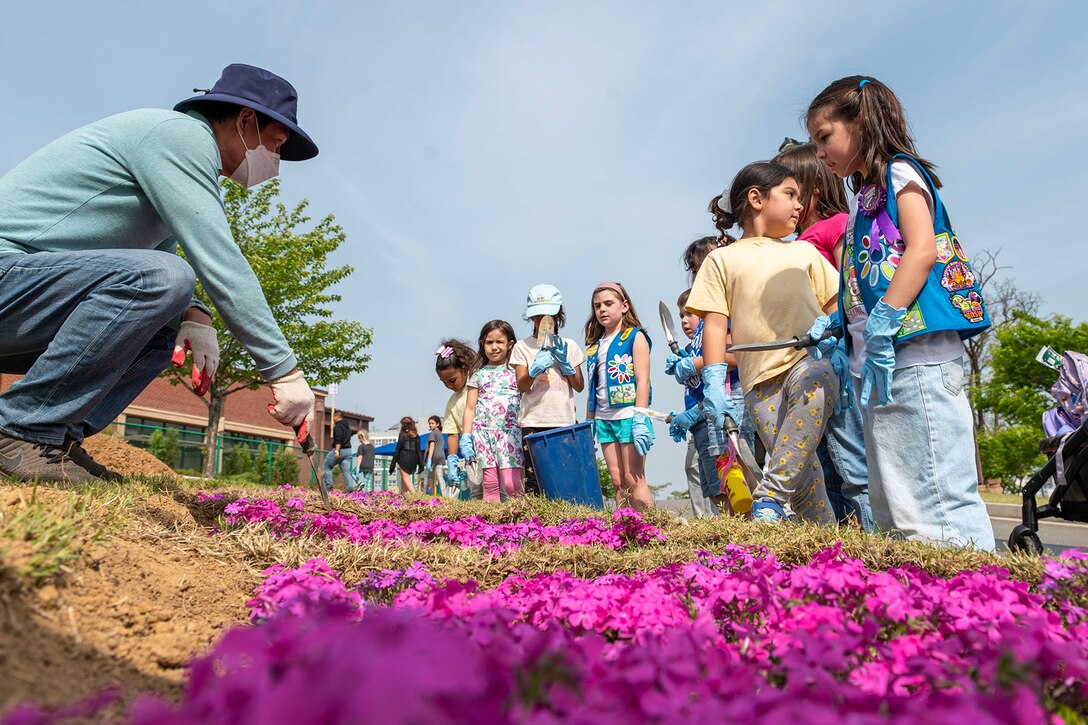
(620, 370)
(951, 298)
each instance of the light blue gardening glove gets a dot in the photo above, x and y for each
(716, 402)
(642, 433)
(453, 468)
(430, 465)
(822, 324)
(671, 360)
(840, 363)
(876, 374)
(682, 422)
(541, 362)
(684, 370)
(561, 357)
(465, 447)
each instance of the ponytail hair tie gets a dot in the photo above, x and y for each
(444, 352)
(723, 201)
(863, 82)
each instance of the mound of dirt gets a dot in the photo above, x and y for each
(130, 613)
(116, 455)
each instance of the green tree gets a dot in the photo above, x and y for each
(292, 266)
(156, 444)
(285, 467)
(1003, 299)
(165, 446)
(238, 461)
(171, 452)
(1017, 392)
(607, 489)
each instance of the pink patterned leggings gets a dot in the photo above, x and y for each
(510, 481)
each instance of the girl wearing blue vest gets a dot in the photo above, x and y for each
(908, 298)
(621, 382)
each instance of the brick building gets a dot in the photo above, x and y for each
(245, 421)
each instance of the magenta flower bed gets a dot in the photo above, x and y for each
(738, 637)
(730, 637)
(626, 529)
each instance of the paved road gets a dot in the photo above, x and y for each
(1057, 535)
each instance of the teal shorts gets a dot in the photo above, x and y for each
(614, 431)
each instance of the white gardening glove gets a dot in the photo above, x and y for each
(201, 340)
(294, 404)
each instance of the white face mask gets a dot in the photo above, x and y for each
(258, 166)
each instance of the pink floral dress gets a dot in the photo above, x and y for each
(496, 435)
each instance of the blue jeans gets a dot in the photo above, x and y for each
(708, 469)
(344, 461)
(365, 481)
(90, 330)
(701, 506)
(922, 478)
(843, 447)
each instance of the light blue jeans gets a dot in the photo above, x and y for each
(90, 330)
(364, 482)
(922, 478)
(344, 461)
(845, 441)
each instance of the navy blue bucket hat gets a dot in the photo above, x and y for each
(263, 91)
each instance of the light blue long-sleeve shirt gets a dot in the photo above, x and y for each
(145, 179)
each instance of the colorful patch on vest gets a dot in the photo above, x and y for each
(958, 248)
(620, 395)
(945, 252)
(877, 258)
(591, 350)
(626, 334)
(957, 277)
(913, 322)
(970, 306)
(621, 368)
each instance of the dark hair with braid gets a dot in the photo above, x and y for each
(759, 175)
(815, 179)
(881, 121)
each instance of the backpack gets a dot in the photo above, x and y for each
(1069, 391)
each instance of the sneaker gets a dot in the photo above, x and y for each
(768, 510)
(79, 454)
(28, 461)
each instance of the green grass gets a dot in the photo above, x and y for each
(40, 537)
(1010, 498)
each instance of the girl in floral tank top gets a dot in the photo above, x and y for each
(492, 413)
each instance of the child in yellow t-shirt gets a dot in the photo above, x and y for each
(770, 289)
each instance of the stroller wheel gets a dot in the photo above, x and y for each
(1023, 540)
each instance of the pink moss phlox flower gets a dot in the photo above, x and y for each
(299, 590)
(626, 530)
(202, 497)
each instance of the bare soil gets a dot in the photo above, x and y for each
(116, 455)
(131, 611)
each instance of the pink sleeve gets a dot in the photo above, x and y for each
(825, 234)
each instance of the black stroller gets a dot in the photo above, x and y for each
(1068, 462)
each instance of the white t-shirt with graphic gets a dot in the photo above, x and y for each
(932, 348)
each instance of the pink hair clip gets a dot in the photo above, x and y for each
(444, 352)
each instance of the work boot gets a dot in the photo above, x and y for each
(79, 454)
(29, 461)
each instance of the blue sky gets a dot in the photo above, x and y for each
(471, 150)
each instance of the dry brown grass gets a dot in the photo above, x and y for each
(127, 504)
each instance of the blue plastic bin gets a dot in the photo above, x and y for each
(565, 461)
